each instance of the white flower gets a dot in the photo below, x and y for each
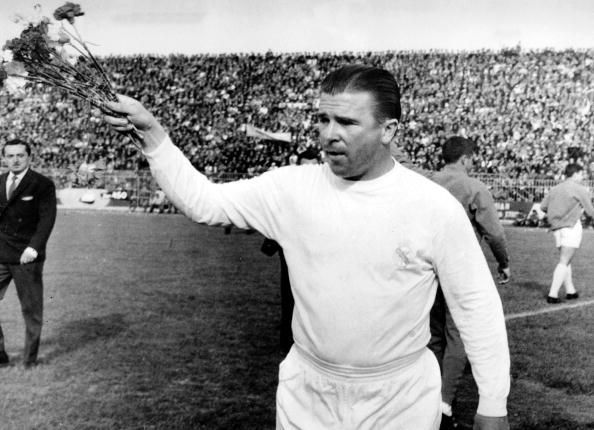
(15, 85)
(37, 16)
(6, 56)
(56, 34)
(16, 69)
(17, 18)
(33, 19)
(67, 55)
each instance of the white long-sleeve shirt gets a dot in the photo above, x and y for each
(364, 258)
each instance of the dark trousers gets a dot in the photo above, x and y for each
(29, 286)
(271, 247)
(287, 305)
(447, 346)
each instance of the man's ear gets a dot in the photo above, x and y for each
(389, 129)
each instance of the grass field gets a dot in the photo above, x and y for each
(152, 322)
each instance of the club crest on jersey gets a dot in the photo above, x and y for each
(402, 256)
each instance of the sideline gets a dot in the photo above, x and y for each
(552, 308)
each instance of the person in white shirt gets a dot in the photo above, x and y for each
(366, 241)
(564, 205)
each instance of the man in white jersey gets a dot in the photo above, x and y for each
(365, 241)
(564, 205)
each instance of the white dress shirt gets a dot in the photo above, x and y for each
(19, 178)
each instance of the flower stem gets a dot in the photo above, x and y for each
(92, 57)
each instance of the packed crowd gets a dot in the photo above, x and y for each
(530, 111)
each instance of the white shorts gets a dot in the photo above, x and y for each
(312, 397)
(569, 237)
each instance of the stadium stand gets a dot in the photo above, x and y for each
(530, 111)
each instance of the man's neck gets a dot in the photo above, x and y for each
(458, 166)
(19, 174)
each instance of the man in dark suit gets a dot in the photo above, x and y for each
(27, 217)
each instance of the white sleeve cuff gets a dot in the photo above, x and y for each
(159, 149)
(491, 407)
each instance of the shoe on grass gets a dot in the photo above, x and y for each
(572, 296)
(553, 300)
(30, 364)
(448, 422)
(4, 360)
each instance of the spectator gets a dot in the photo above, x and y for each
(528, 109)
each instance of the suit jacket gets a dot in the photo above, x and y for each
(27, 219)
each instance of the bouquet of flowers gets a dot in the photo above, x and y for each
(53, 53)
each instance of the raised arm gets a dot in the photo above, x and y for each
(245, 204)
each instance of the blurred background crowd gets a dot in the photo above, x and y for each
(529, 111)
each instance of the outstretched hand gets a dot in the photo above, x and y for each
(129, 115)
(126, 114)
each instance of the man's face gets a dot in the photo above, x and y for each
(16, 158)
(355, 144)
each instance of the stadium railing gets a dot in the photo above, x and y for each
(132, 184)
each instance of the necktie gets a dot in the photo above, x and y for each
(12, 187)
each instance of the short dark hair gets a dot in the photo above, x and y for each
(307, 154)
(18, 142)
(455, 147)
(571, 169)
(379, 82)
